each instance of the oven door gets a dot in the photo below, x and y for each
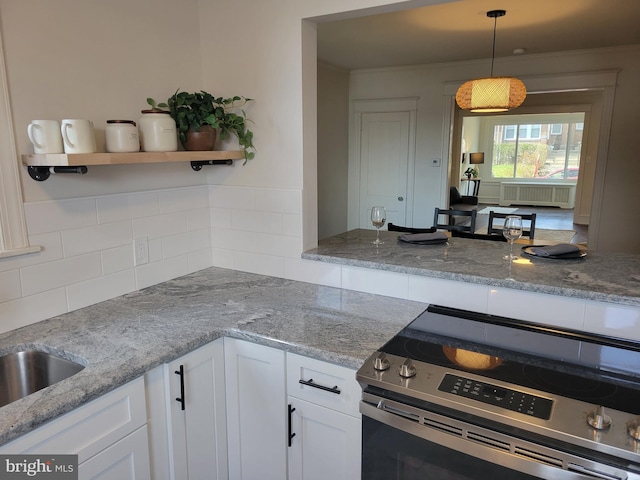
(402, 442)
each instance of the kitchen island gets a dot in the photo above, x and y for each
(611, 278)
(121, 339)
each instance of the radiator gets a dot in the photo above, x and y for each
(560, 195)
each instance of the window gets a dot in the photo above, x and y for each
(556, 129)
(526, 149)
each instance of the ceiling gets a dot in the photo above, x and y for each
(461, 31)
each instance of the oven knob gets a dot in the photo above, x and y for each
(407, 369)
(598, 419)
(381, 362)
(633, 428)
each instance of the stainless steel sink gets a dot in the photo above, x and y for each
(22, 373)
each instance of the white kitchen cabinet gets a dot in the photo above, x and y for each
(256, 411)
(187, 425)
(325, 424)
(108, 434)
(326, 444)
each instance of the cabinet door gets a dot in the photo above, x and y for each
(326, 445)
(127, 459)
(198, 432)
(256, 411)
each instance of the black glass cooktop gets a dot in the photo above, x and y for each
(593, 369)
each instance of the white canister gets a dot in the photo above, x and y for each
(157, 131)
(121, 136)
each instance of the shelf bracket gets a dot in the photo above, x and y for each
(198, 164)
(40, 174)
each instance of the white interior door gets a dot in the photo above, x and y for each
(384, 160)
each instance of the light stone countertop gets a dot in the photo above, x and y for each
(120, 339)
(613, 278)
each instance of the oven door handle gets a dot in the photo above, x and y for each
(509, 452)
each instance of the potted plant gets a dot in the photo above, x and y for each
(199, 114)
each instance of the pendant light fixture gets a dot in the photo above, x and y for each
(491, 94)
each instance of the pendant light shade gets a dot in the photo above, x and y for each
(491, 94)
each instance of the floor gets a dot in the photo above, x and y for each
(551, 218)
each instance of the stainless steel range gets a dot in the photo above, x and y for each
(459, 395)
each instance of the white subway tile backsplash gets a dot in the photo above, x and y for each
(252, 221)
(279, 245)
(44, 217)
(153, 273)
(160, 225)
(99, 289)
(234, 240)
(220, 217)
(155, 249)
(183, 199)
(30, 309)
(198, 219)
(614, 320)
(281, 201)
(243, 198)
(466, 296)
(260, 264)
(313, 272)
(182, 243)
(10, 285)
(79, 241)
(564, 312)
(51, 275)
(200, 260)
(379, 282)
(114, 208)
(51, 244)
(292, 225)
(117, 259)
(222, 258)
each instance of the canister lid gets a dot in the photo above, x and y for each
(122, 121)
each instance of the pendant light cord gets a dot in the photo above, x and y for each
(493, 51)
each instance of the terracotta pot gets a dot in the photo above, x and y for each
(205, 139)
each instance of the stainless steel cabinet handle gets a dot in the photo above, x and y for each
(310, 383)
(181, 397)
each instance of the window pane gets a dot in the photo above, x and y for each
(537, 151)
(503, 155)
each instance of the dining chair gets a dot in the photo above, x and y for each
(397, 228)
(531, 218)
(451, 224)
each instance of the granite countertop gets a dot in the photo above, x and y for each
(120, 339)
(603, 277)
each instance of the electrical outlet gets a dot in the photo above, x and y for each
(141, 250)
(435, 162)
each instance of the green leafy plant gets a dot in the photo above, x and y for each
(157, 106)
(192, 110)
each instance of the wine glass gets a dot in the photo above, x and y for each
(512, 230)
(378, 217)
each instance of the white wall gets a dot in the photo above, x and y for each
(333, 149)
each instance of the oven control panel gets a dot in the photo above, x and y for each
(502, 397)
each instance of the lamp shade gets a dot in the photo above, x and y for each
(476, 158)
(491, 94)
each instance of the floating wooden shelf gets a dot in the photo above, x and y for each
(42, 165)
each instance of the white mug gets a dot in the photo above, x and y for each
(45, 136)
(78, 136)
